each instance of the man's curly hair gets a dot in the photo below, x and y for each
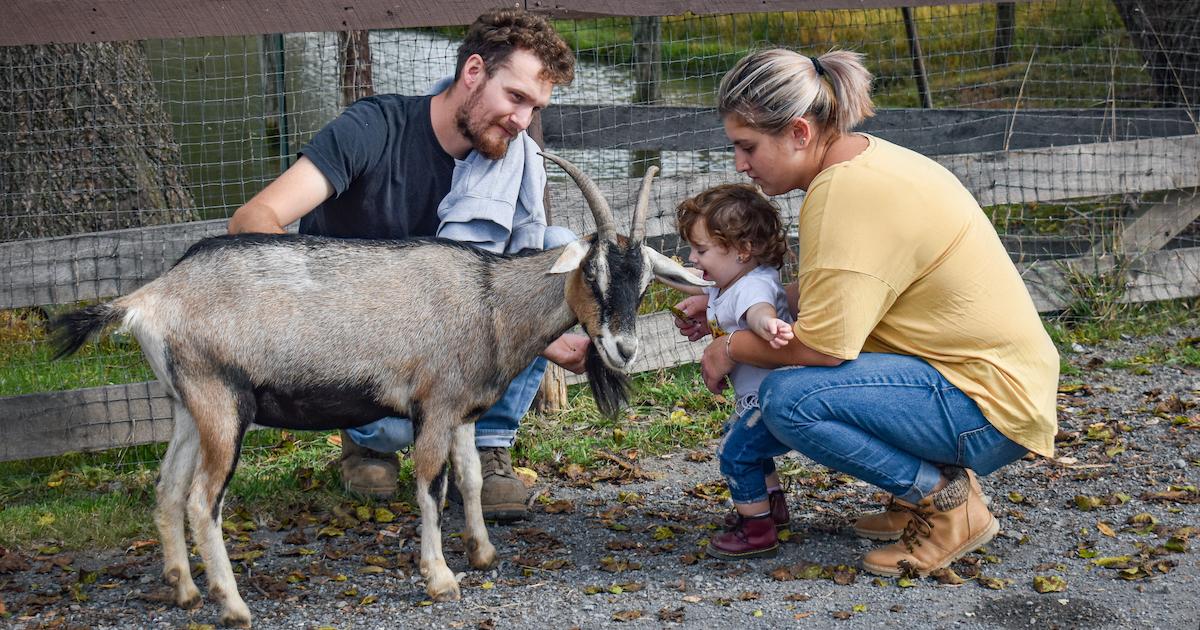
(496, 34)
(736, 213)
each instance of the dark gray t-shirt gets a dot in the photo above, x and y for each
(387, 170)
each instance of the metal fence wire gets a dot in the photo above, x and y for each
(1074, 122)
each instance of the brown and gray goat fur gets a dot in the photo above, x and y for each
(305, 332)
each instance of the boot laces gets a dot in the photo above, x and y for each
(918, 527)
(496, 462)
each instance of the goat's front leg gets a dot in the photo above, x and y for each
(429, 458)
(170, 514)
(480, 551)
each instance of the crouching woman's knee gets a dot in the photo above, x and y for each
(786, 400)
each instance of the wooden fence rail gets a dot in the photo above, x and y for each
(100, 265)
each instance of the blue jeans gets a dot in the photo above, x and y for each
(743, 456)
(497, 427)
(891, 420)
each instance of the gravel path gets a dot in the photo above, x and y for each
(620, 544)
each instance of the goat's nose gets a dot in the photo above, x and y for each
(627, 346)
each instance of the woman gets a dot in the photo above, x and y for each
(926, 359)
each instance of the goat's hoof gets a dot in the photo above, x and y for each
(483, 558)
(187, 600)
(236, 618)
(444, 589)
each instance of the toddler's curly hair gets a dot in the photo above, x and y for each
(732, 214)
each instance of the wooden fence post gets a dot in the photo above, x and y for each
(552, 396)
(914, 49)
(647, 72)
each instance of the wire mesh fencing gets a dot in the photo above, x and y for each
(1074, 122)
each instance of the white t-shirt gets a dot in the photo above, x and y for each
(727, 313)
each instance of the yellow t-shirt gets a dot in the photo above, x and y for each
(896, 256)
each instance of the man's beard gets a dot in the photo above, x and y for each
(493, 146)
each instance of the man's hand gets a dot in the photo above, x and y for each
(715, 366)
(569, 351)
(695, 327)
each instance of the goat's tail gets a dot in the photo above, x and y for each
(70, 331)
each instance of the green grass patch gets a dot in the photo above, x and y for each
(1088, 37)
(106, 500)
(1134, 320)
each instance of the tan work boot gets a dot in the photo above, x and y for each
(890, 523)
(503, 495)
(942, 528)
(366, 472)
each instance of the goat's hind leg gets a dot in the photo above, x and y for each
(174, 480)
(467, 476)
(215, 410)
(429, 458)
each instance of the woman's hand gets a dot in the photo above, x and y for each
(695, 309)
(569, 351)
(715, 366)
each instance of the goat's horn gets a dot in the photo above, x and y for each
(637, 231)
(605, 229)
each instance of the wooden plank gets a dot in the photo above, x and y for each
(68, 269)
(927, 131)
(98, 418)
(80, 21)
(597, 8)
(1155, 225)
(1159, 275)
(41, 425)
(1082, 170)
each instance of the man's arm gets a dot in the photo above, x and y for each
(292, 195)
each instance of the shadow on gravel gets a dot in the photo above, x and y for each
(1043, 612)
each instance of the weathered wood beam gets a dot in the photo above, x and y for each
(90, 266)
(1155, 225)
(84, 21)
(41, 425)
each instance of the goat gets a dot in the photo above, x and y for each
(303, 332)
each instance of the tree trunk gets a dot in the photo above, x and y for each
(354, 58)
(1168, 34)
(86, 144)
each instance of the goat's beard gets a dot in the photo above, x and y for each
(610, 388)
(471, 124)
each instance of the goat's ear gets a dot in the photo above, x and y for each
(672, 273)
(571, 257)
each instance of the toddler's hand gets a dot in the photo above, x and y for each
(780, 333)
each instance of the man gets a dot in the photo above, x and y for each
(383, 168)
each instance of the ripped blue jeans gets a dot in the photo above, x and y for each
(745, 454)
(891, 420)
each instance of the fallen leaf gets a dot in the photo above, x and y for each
(994, 583)
(561, 506)
(946, 576)
(1106, 529)
(672, 615)
(528, 476)
(627, 615)
(1049, 584)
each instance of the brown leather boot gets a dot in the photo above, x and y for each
(779, 511)
(750, 537)
(503, 495)
(366, 472)
(942, 528)
(890, 523)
